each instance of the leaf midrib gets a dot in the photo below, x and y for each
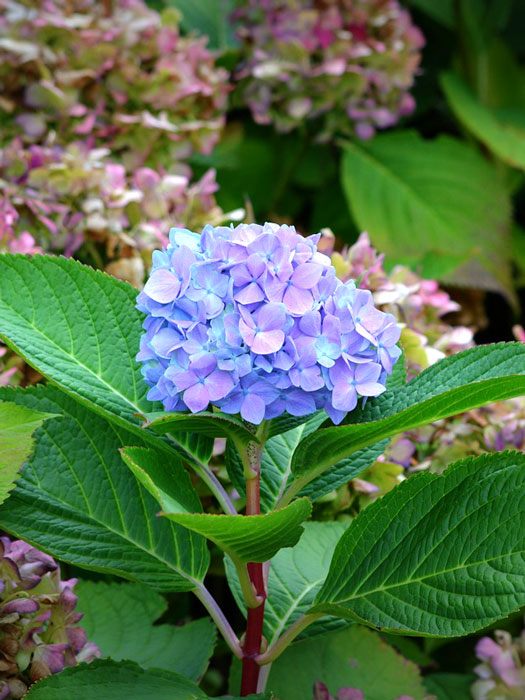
(420, 579)
(72, 357)
(124, 534)
(462, 565)
(135, 544)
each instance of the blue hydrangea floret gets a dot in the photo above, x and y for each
(253, 321)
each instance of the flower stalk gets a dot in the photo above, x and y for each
(255, 617)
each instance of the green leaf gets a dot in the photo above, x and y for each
(449, 686)
(276, 461)
(78, 500)
(17, 425)
(164, 477)
(119, 618)
(438, 556)
(422, 209)
(86, 346)
(295, 577)
(453, 385)
(78, 327)
(286, 422)
(104, 679)
(210, 424)
(209, 18)
(250, 538)
(343, 471)
(355, 657)
(502, 131)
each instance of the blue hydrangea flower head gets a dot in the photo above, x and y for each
(252, 320)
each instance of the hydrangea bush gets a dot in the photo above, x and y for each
(122, 467)
(71, 196)
(351, 63)
(117, 75)
(39, 635)
(102, 106)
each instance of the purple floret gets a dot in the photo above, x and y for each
(253, 320)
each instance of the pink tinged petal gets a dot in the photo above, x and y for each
(344, 397)
(390, 335)
(218, 384)
(165, 342)
(386, 360)
(255, 265)
(246, 317)
(251, 294)
(299, 403)
(196, 398)
(247, 333)
(307, 275)
(266, 342)
(253, 408)
(367, 372)
(335, 415)
(332, 328)
(275, 290)
(298, 301)
(310, 323)
(365, 334)
(370, 389)
(182, 380)
(182, 260)
(487, 649)
(271, 317)
(53, 656)
(311, 379)
(340, 373)
(203, 365)
(162, 286)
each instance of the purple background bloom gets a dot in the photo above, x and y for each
(253, 320)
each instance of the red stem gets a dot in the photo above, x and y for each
(254, 629)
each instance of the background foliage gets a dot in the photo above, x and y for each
(116, 127)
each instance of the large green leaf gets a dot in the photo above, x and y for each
(343, 471)
(109, 680)
(355, 657)
(17, 425)
(78, 327)
(459, 383)
(119, 618)
(250, 538)
(164, 477)
(295, 577)
(421, 208)
(78, 500)
(502, 131)
(439, 555)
